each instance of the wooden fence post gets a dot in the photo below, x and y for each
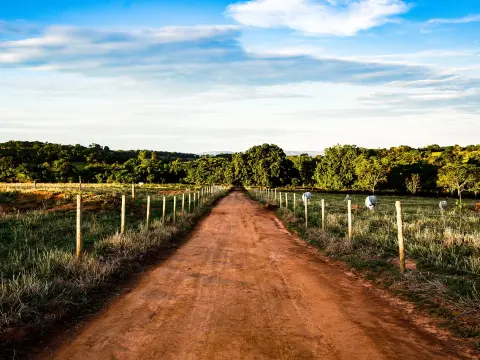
(174, 208)
(164, 209)
(286, 201)
(80, 183)
(79, 226)
(183, 204)
(189, 201)
(194, 200)
(133, 191)
(401, 247)
(275, 196)
(35, 185)
(198, 198)
(350, 230)
(323, 215)
(280, 198)
(148, 212)
(294, 204)
(122, 225)
(306, 212)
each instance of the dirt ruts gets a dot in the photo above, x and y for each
(242, 287)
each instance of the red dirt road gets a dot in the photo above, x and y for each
(242, 287)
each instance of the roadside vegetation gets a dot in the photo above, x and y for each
(442, 248)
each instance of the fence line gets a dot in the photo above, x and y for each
(396, 216)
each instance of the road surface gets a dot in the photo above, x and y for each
(242, 287)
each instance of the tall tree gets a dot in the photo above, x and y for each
(336, 169)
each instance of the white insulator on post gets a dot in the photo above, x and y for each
(306, 197)
(371, 202)
(443, 205)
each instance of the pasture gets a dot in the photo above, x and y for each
(442, 247)
(40, 277)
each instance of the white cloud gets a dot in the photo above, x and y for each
(321, 17)
(462, 20)
(173, 88)
(123, 113)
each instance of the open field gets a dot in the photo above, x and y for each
(442, 248)
(106, 189)
(40, 277)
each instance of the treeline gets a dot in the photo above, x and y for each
(341, 168)
(24, 161)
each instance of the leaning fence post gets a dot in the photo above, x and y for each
(401, 247)
(350, 230)
(79, 226)
(122, 226)
(148, 211)
(323, 215)
(174, 207)
(164, 209)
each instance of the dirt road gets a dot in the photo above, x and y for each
(242, 287)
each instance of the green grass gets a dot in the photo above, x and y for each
(444, 246)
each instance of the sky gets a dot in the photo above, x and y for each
(218, 75)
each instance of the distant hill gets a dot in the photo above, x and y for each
(288, 153)
(215, 153)
(296, 153)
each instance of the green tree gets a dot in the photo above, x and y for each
(7, 174)
(267, 165)
(336, 169)
(457, 177)
(305, 167)
(370, 172)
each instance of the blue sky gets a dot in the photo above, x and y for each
(223, 75)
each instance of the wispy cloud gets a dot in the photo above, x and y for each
(461, 20)
(195, 56)
(321, 17)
